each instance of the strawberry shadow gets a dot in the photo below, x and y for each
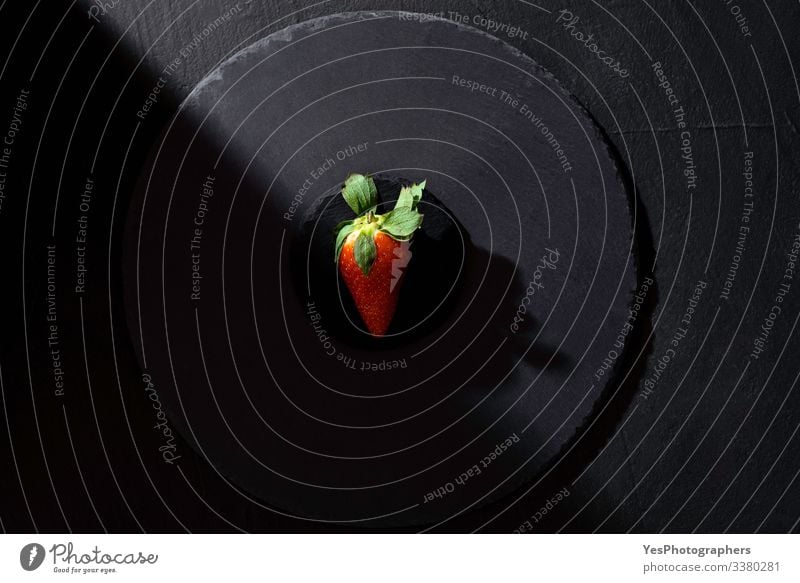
(497, 300)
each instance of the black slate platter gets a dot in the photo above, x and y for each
(526, 269)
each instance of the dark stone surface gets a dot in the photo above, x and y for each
(317, 432)
(710, 449)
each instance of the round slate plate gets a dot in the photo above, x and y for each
(256, 369)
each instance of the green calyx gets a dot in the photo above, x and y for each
(400, 223)
(360, 193)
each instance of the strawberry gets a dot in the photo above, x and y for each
(372, 250)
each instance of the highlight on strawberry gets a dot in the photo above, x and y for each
(373, 250)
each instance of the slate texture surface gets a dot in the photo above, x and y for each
(543, 245)
(703, 433)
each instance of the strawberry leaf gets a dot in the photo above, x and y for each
(365, 251)
(401, 223)
(410, 196)
(342, 231)
(360, 193)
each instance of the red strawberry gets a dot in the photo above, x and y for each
(372, 251)
(375, 294)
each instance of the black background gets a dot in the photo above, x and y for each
(713, 449)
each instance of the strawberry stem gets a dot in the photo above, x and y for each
(360, 193)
